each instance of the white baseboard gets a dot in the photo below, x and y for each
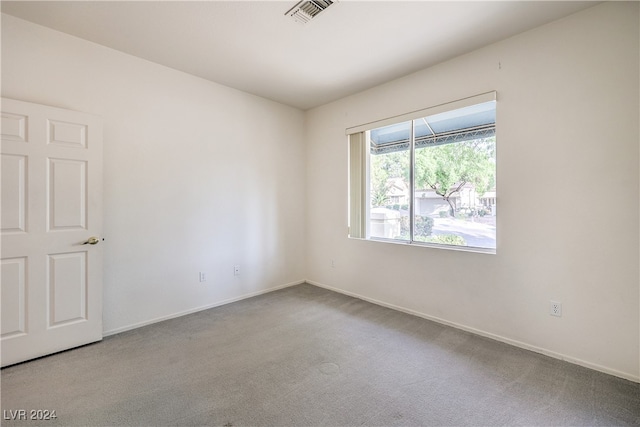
(505, 340)
(195, 310)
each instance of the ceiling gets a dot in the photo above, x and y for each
(252, 46)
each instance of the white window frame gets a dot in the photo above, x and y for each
(359, 174)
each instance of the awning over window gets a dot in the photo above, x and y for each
(464, 124)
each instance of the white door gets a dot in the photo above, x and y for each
(51, 171)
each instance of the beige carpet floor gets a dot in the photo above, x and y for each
(305, 356)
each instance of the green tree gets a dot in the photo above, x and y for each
(379, 183)
(383, 168)
(449, 167)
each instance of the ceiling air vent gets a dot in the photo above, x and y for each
(306, 10)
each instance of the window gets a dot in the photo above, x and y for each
(428, 177)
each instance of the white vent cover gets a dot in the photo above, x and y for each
(306, 10)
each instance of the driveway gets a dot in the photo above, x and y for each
(479, 234)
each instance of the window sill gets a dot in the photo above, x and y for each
(489, 251)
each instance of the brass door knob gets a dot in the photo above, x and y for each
(92, 241)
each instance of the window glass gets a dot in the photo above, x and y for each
(454, 195)
(389, 184)
(432, 180)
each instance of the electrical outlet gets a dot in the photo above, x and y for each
(556, 309)
(236, 270)
(203, 277)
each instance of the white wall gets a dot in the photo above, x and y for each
(198, 177)
(568, 185)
